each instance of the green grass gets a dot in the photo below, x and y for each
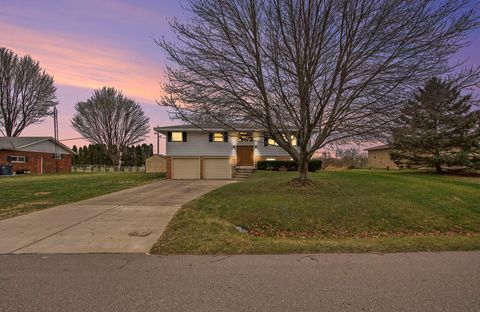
(24, 194)
(345, 211)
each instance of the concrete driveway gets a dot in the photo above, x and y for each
(128, 221)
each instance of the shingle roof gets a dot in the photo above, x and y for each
(18, 143)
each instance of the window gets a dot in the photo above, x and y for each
(17, 159)
(245, 137)
(218, 137)
(271, 141)
(176, 136)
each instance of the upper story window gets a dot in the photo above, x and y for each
(177, 136)
(270, 141)
(17, 159)
(245, 136)
(218, 137)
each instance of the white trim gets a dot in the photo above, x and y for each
(18, 161)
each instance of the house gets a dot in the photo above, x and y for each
(156, 164)
(379, 157)
(35, 155)
(211, 152)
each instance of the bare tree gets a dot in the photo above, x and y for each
(112, 120)
(27, 93)
(327, 71)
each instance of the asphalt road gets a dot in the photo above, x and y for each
(326, 282)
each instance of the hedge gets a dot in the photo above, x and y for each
(287, 165)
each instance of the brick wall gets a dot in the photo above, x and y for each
(50, 165)
(169, 167)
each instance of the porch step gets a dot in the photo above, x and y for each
(243, 173)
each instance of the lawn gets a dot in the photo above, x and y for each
(26, 193)
(345, 211)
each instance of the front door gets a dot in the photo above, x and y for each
(38, 165)
(244, 155)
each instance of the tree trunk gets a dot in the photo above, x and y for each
(303, 171)
(438, 168)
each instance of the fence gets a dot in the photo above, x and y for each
(105, 168)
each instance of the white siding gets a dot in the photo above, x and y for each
(198, 145)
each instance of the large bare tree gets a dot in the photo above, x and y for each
(112, 120)
(330, 71)
(27, 93)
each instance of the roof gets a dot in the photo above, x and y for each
(211, 127)
(19, 143)
(378, 148)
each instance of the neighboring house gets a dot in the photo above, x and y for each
(156, 164)
(35, 155)
(379, 157)
(214, 153)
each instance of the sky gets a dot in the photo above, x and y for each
(89, 44)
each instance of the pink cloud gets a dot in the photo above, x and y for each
(82, 62)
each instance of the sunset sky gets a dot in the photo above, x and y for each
(90, 44)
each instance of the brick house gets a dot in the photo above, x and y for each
(35, 155)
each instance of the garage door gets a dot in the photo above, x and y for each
(217, 168)
(186, 168)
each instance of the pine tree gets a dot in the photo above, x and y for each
(437, 128)
(75, 155)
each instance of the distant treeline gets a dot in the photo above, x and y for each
(94, 154)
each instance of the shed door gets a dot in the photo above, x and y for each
(186, 168)
(217, 168)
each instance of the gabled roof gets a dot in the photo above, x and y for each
(380, 147)
(19, 143)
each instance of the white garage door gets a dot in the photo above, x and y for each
(186, 168)
(217, 168)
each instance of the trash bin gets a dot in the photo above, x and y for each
(6, 170)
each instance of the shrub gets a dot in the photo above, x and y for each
(287, 165)
(314, 165)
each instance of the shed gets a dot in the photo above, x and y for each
(156, 164)
(379, 157)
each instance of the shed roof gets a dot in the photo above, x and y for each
(380, 147)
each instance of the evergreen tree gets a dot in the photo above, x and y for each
(75, 155)
(437, 128)
(139, 160)
(80, 156)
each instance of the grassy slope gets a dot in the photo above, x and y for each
(345, 211)
(24, 194)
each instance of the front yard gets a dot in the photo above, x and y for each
(24, 194)
(346, 211)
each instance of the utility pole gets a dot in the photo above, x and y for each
(158, 143)
(55, 134)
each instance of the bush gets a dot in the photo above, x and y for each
(287, 165)
(314, 165)
(277, 165)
